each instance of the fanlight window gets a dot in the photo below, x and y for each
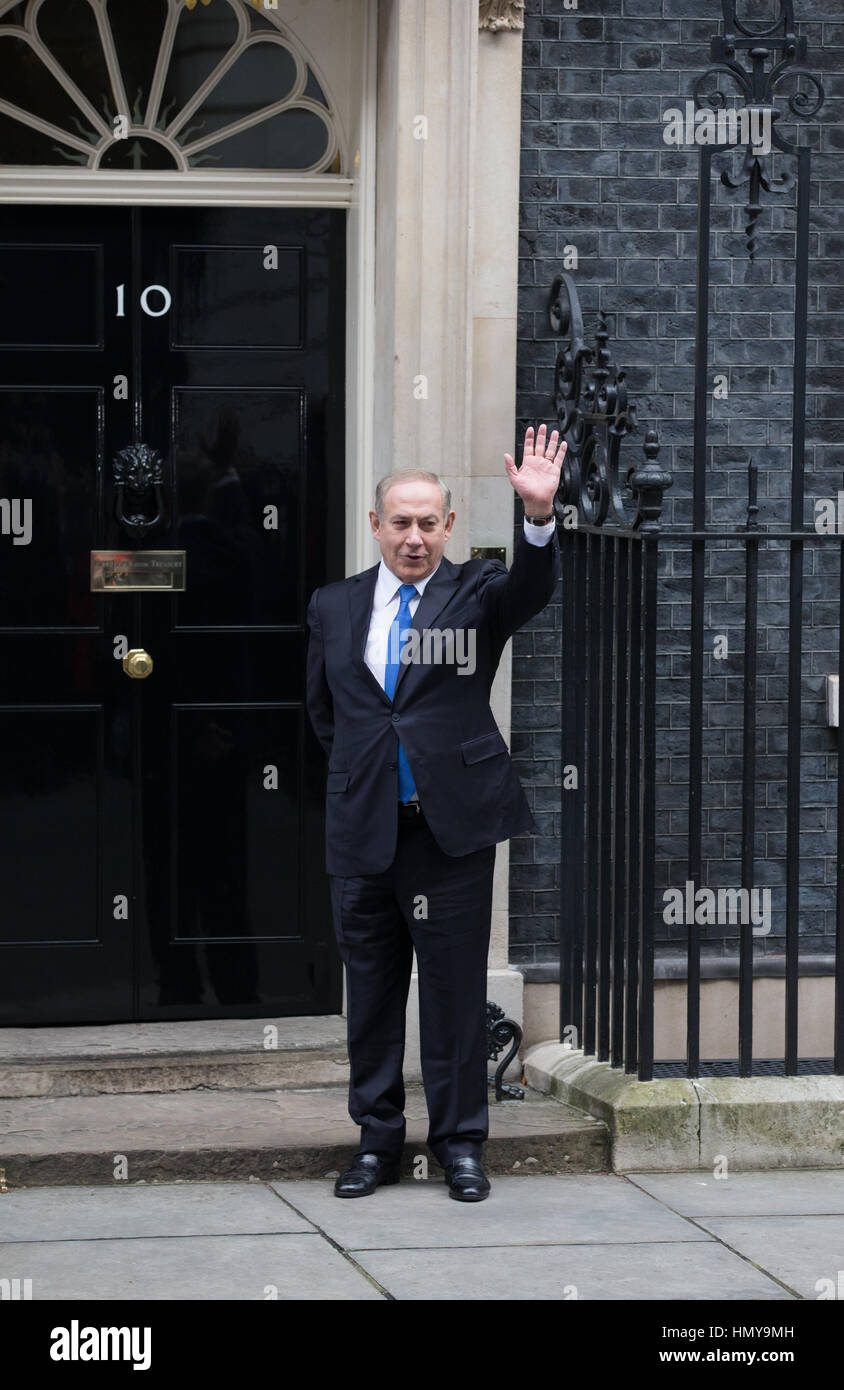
(158, 84)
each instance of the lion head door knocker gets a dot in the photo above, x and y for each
(138, 472)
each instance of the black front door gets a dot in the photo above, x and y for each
(161, 837)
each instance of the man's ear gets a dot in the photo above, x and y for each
(374, 523)
(449, 522)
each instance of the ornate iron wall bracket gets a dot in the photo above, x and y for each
(595, 415)
(499, 1032)
(757, 85)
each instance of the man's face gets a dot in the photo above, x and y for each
(413, 534)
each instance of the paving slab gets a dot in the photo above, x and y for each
(798, 1192)
(545, 1211)
(220, 1135)
(799, 1250)
(654, 1272)
(123, 1212)
(236, 1268)
(564, 1238)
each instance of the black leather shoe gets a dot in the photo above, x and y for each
(466, 1179)
(367, 1172)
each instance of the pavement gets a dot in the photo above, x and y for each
(776, 1236)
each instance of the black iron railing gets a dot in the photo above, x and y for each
(609, 533)
(610, 530)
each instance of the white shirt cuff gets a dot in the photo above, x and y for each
(540, 535)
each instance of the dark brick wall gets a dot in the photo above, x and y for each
(596, 174)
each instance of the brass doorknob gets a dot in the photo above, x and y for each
(138, 664)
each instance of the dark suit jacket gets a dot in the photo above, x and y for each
(466, 781)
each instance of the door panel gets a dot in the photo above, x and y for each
(66, 945)
(230, 298)
(52, 773)
(196, 793)
(52, 440)
(62, 305)
(242, 574)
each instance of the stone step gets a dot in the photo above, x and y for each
(211, 1054)
(286, 1133)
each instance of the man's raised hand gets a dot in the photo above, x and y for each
(537, 480)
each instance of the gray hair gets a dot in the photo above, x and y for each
(406, 475)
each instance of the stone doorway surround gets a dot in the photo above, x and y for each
(446, 279)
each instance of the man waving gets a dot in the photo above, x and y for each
(420, 789)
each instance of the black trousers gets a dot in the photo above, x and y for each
(442, 906)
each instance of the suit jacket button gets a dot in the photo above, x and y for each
(392, 766)
(396, 718)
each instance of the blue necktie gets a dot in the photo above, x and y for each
(395, 640)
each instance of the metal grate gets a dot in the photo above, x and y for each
(762, 1066)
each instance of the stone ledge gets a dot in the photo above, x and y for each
(223, 1135)
(204, 1054)
(683, 1123)
(674, 966)
(115, 1059)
